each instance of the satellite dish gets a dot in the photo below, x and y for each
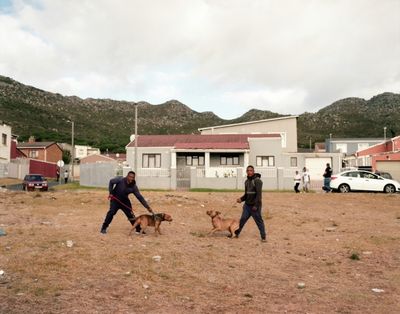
(132, 138)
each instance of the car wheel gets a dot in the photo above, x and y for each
(389, 188)
(344, 188)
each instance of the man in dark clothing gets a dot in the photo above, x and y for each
(119, 189)
(252, 199)
(327, 178)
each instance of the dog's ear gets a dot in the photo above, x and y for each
(218, 213)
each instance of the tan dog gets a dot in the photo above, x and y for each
(222, 224)
(150, 220)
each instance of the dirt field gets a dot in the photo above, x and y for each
(311, 239)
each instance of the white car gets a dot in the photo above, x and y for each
(359, 180)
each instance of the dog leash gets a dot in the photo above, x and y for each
(112, 197)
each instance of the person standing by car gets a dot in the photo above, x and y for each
(252, 199)
(327, 178)
(305, 177)
(119, 189)
(297, 181)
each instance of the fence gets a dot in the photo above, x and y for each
(98, 174)
(3, 170)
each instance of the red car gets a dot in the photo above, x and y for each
(35, 181)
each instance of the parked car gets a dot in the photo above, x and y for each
(385, 175)
(35, 181)
(359, 180)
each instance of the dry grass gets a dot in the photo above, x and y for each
(197, 273)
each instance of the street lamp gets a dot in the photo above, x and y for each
(136, 138)
(384, 134)
(73, 148)
(330, 142)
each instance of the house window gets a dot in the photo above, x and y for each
(151, 161)
(293, 161)
(194, 160)
(229, 160)
(4, 139)
(265, 161)
(33, 154)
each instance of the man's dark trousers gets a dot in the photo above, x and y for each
(114, 207)
(256, 214)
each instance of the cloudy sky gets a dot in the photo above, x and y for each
(225, 56)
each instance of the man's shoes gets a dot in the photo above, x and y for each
(263, 240)
(103, 231)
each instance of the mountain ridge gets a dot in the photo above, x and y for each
(108, 123)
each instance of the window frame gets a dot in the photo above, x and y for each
(149, 158)
(265, 158)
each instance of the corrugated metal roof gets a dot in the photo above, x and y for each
(193, 141)
(35, 144)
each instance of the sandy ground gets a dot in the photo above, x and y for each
(311, 238)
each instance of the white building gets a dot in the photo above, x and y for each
(5, 143)
(82, 151)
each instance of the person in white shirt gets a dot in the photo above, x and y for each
(297, 181)
(306, 180)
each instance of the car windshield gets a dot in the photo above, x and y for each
(34, 178)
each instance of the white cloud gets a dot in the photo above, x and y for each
(223, 56)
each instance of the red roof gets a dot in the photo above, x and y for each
(198, 141)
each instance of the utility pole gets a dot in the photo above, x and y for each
(73, 149)
(384, 134)
(310, 144)
(136, 138)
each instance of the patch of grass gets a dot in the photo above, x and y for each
(76, 186)
(355, 256)
(215, 190)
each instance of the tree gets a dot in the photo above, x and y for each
(66, 156)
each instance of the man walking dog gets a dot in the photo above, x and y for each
(252, 199)
(119, 189)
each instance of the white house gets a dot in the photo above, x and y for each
(5, 143)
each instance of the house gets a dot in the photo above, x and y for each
(96, 159)
(286, 127)
(82, 151)
(5, 143)
(349, 146)
(384, 156)
(45, 151)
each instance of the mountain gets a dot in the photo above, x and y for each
(107, 123)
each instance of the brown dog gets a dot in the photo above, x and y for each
(150, 220)
(222, 224)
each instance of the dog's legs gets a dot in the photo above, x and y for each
(212, 231)
(157, 227)
(133, 227)
(143, 226)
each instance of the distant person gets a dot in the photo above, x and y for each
(119, 189)
(327, 178)
(252, 199)
(66, 175)
(305, 177)
(297, 181)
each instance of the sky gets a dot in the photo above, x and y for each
(224, 56)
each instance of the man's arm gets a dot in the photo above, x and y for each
(141, 198)
(243, 198)
(112, 183)
(258, 183)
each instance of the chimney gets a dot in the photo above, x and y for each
(31, 139)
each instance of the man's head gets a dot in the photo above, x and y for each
(328, 165)
(250, 171)
(130, 177)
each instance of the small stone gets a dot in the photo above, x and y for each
(367, 252)
(2, 272)
(301, 285)
(70, 243)
(128, 273)
(330, 229)
(377, 290)
(144, 245)
(202, 205)
(146, 286)
(20, 293)
(45, 223)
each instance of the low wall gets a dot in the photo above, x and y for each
(97, 175)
